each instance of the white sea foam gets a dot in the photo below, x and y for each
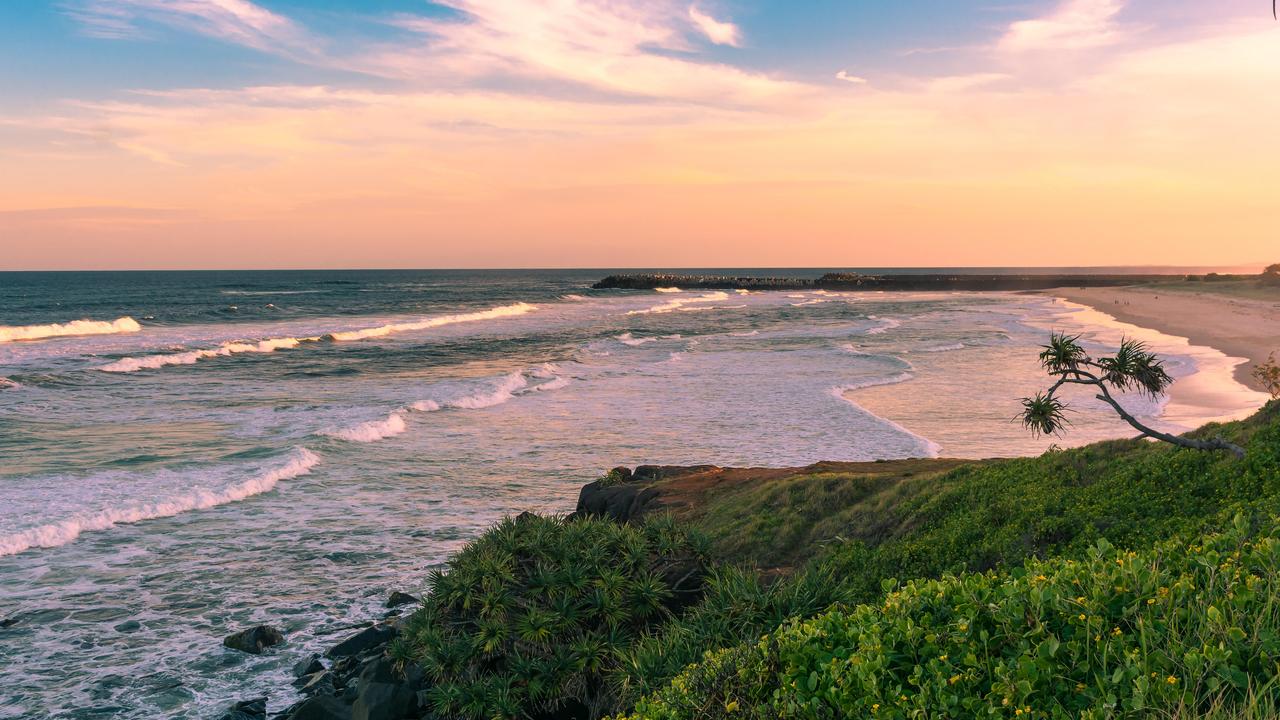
(383, 330)
(9, 384)
(928, 448)
(13, 333)
(668, 290)
(151, 362)
(198, 498)
(627, 338)
(370, 431)
(679, 303)
(942, 348)
(815, 301)
(751, 333)
(553, 384)
(886, 324)
(574, 298)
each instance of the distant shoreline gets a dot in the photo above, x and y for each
(1239, 326)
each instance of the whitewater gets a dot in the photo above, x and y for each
(190, 455)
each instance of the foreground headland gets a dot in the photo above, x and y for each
(1088, 547)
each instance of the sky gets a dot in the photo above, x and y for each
(150, 134)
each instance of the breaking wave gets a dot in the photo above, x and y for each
(886, 324)
(10, 333)
(679, 303)
(370, 431)
(198, 498)
(9, 384)
(151, 362)
(629, 339)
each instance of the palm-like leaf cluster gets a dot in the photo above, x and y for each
(1043, 415)
(530, 619)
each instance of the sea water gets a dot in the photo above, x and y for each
(186, 454)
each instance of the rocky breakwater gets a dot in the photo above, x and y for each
(888, 282)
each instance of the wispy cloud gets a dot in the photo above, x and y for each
(235, 21)
(845, 76)
(718, 32)
(622, 48)
(1073, 25)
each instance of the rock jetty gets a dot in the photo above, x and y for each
(859, 281)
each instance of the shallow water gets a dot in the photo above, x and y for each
(290, 447)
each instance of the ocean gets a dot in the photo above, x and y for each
(184, 454)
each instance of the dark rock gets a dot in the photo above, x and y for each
(255, 709)
(320, 707)
(399, 598)
(128, 626)
(384, 694)
(366, 639)
(382, 701)
(254, 640)
(308, 666)
(317, 683)
(619, 502)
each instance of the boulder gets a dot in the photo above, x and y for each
(367, 639)
(307, 666)
(128, 626)
(254, 640)
(399, 598)
(320, 707)
(384, 694)
(255, 709)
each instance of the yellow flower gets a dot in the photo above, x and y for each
(875, 707)
(943, 658)
(964, 627)
(1080, 686)
(1083, 616)
(731, 706)
(954, 679)
(1151, 601)
(1116, 632)
(1171, 680)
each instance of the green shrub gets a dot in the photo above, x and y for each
(530, 618)
(1178, 630)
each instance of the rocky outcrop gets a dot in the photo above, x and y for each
(398, 598)
(626, 496)
(255, 709)
(362, 683)
(254, 640)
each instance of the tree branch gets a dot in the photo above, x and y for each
(1214, 444)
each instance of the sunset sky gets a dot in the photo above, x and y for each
(640, 133)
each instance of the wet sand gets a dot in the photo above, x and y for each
(1240, 327)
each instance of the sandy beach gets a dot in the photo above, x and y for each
(1238, 326)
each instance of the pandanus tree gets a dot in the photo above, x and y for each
(1132, 367)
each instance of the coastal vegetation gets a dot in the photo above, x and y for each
(530, 619)
(921, 588)
(1268, 375)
